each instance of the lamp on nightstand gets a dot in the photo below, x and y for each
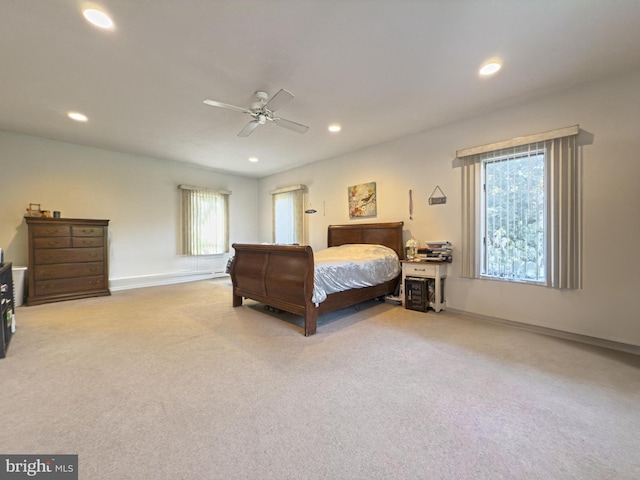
(412, 248)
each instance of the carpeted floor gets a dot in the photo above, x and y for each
(173, 383)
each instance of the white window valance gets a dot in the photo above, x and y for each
(291, 188)
(213, 190)
(520, 141)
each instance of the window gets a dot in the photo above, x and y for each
(287, 214)
(204, 221)
(513, 214)
(521, 209)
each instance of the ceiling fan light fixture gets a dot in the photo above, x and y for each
(98, 18)
(334, 128)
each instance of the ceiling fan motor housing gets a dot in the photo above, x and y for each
(261, 99)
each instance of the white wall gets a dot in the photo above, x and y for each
(609, 110)
(137, 194)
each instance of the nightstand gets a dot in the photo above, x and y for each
(429, 284)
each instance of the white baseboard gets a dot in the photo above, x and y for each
(142, 281)
(576, 337)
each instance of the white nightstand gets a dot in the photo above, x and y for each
(433, 270)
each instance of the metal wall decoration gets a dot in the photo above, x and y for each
(433, 200)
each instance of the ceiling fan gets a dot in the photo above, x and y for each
(262, 110)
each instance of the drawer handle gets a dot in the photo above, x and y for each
(52, 244)
(87, 230)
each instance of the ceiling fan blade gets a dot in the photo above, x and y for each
(250, 127)
(296, 127)
(279, 100)
(213, 103)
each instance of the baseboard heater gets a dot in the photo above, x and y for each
(127, 283)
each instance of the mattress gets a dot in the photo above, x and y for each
(352, 266)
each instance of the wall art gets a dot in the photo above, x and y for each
(362, 200)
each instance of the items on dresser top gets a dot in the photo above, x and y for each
(68, 259)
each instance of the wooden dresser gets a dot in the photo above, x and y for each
(68, 259)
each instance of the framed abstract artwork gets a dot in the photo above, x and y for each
(362, 200)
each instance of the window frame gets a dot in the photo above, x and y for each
(196, 221)
(295, 196)
(564, 220)
(512, 155)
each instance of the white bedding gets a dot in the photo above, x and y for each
(352, 266)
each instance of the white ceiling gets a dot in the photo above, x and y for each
(382, 69)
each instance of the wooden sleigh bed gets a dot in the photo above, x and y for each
(281, 276)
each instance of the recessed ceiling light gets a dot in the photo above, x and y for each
(98, 18)
(490, 68)
(335, 128)
(78, 117)
(253, 159)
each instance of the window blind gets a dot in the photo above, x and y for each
(204, 218)
(287, 214)
(563, 209)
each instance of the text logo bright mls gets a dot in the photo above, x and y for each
(49, 467)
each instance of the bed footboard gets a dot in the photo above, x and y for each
(277, 275)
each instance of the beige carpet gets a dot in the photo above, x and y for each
(173, 383)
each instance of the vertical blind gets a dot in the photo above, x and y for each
(513, 207)
(563, 212)
(287, 214)
(204, 221)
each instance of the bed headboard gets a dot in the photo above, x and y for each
(388, 234)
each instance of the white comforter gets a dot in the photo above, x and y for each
(352, 266)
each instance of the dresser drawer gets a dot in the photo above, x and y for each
(51, 230)
(69, 270)
(52, 242)
(86, 231)
(48, 256)
(70, 285)
(423, 270)
(87, 242)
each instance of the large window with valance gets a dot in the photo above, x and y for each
(521, 202)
